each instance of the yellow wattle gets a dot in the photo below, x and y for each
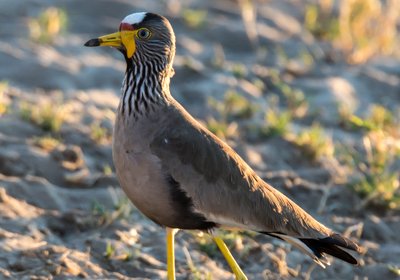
(128, 40)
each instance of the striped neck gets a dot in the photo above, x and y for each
(145, 85)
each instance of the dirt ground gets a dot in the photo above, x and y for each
(62, 213)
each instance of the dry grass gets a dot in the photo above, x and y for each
(378, 181)
(222, 128)
(122, 210)
(47, 143)
(233, 107)
(107, 170)
(394, 269)
(100, 134)
(378, 159)
(249, 18)
(320, 20)
(4, 106)
(196, 273)
(239, 70)
(277, 120)
(378, 118)
(48, 25)
(110, 251)
(294, 99)
(360, 28)
(233, 239)
(314, 143)
(194, 18)
(47, 116)
(276, 123)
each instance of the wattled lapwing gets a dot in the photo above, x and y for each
(182, 176)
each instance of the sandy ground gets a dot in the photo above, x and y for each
(62, 214)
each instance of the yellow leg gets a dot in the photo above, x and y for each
(170, 253)
(229, 258)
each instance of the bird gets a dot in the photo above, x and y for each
(182, 176)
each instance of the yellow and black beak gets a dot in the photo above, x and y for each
(124, 39)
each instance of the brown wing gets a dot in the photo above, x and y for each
(221, 185)
(226, 191)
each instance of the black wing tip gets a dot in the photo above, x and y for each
(334, 245)
(341, 241)
(92, 43)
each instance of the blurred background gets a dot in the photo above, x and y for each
(308, 93)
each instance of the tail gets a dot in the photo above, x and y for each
(318, 248)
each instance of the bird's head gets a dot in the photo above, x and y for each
(141, 37)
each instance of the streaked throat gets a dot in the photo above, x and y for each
(144, 87)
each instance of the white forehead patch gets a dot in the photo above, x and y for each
(134, 18)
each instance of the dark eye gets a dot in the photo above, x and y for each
(143, 33)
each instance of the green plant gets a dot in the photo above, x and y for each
(234, 106)
(222, 129)
(99, 211)
(48, 25)
(379, 181)
(361, 28)
(314, 143)
(306, 57)
(123, 208)
(368, 27)
(110, 250)
(46, 115)
(47, 143)
(259, 84)
(194, 18)
(277, 123)
(281, 55)
(320, 21)
(4, 106)
(196, 274)
(208, 246)
(105, 217)
(274, 75)
(379, 118)
(126, 256)
(394, 269)
(107, 170)
(239, 70)
(294, 99)
(276, 120)
(99, 134)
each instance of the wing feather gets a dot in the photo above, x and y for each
(220, 183)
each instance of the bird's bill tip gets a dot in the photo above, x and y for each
(92, 43)
(111, 40)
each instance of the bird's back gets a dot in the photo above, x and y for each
(220, 183)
